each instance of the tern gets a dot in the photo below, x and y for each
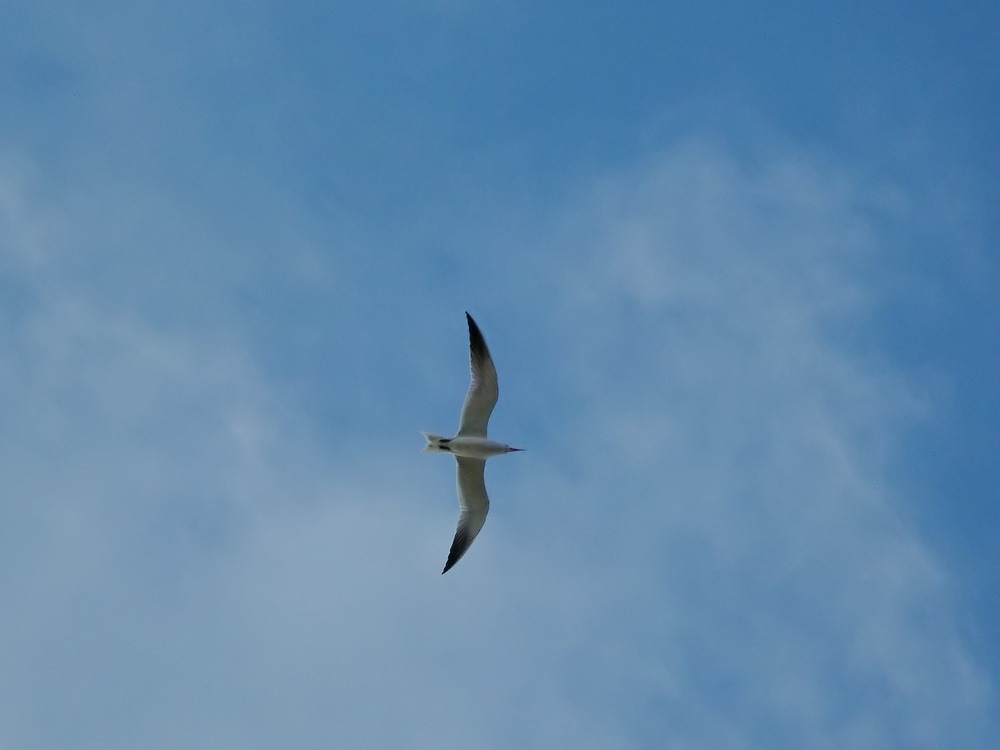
(471, 447)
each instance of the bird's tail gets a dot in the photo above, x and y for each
(436, 443)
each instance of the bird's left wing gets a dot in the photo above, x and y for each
(474, 504)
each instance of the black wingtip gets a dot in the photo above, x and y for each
(453, 558)
(459, 546)
(477, 343)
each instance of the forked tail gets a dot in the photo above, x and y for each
(436, 443)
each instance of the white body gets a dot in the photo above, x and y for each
(466, 446)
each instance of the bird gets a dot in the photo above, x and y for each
(471, 447)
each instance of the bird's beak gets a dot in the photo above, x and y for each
(515, 450)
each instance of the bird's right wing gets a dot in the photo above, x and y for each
(474, 504)
(483, 391)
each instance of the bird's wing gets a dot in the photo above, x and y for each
(483, 390)
(474, 505)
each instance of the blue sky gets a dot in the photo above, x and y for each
(738, 269)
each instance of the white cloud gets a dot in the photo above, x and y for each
(722, 562)
(741, 445)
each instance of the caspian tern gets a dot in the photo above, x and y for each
(470, 446)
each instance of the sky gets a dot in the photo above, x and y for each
(737, 266)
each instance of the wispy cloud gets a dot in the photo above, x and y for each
(739, 448)
(703, 546)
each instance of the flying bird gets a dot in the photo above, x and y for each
(471, 447)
